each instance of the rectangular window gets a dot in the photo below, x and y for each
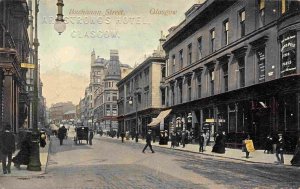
(288, 55)
(163, 97)
(173, 64)
(212, 40)
(242, 22)
(283, 6)
(200, 47)
(261, 8)
(108, 110)
(114, 110)
(226, 32)
(225, 76)
(189, 88)
(199, 85)
(241, 63)
(260, 55)
(212, 80)
(173, 95)
(190, 54)
(180, 59)
(180, 92)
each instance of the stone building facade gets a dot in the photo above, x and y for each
(14, 50)
(235, 66)
(140, 96)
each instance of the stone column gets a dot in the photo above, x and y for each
(8, 97)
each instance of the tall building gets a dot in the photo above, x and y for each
(14, 50)
(103, 73)
(234, 66)
(140, 95)
(106, 109)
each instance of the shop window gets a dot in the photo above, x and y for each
(232, 118)
(242, 17)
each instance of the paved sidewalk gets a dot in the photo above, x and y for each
(23, 172)
(256, 157)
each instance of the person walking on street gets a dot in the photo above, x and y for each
(148, 141)
(173, 139)
(122, 136)
(248, 146)
(280, 149)
(183, 135)
(61, 134)
(8, 147)
(268, 144)
(201, 142)
(91, 136)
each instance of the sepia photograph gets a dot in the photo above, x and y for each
(150, 94)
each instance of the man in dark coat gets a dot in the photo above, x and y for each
(201, 142)
(183, 135)
(91, 136)
(122, 136)
(280, 149)
(148, 141)
(7, 144)
(61, 134)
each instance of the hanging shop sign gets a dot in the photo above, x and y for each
(288, 53)
(27, 65)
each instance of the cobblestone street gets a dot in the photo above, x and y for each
(108, 163)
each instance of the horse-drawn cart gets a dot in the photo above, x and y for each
(81, 133)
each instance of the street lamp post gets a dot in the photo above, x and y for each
(136, 115)
(34, 158)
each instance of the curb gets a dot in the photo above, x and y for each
(211, 155)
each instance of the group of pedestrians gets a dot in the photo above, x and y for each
(8, 147)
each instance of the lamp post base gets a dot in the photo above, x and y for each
(34, 159)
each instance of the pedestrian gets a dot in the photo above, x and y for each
(219, 146)
(183, 135)
(280, 149)
(201, 142)
(91, 136)
(22, 158)
(206, 136)
(61, 134)
(268, 144)
(7, 144)
(148, 142)
(173, 139)
(122, 136)
(248, 146)
(296, 158)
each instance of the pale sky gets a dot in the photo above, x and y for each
(65, 58)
